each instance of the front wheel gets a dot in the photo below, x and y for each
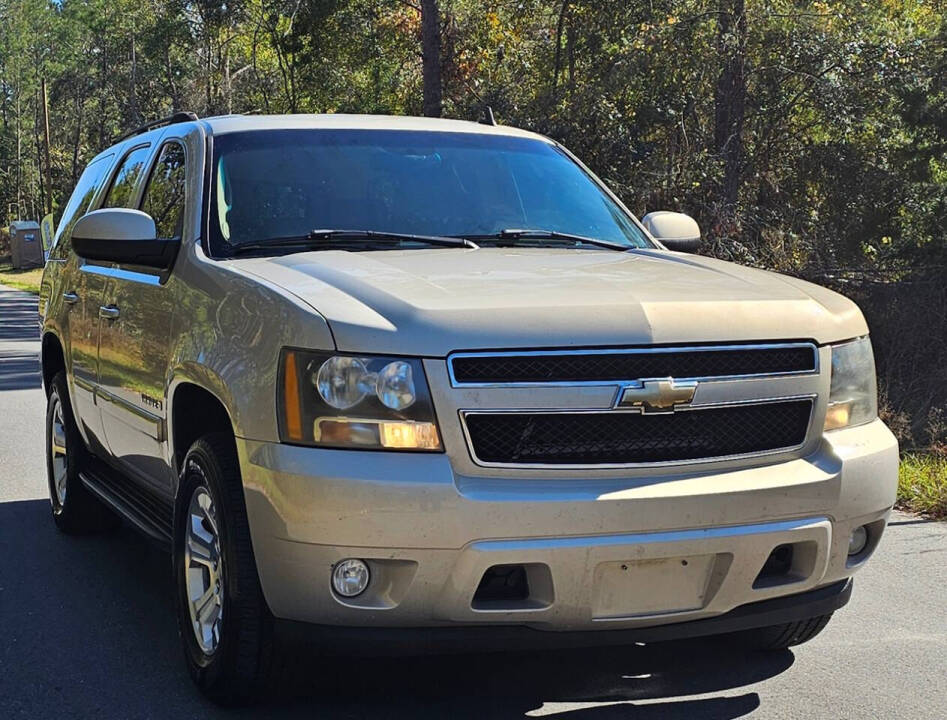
(225, 625)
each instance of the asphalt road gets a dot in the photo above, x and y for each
(87, 630)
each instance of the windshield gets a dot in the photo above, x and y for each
(286, 183)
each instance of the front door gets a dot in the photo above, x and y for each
(82, 294)
(135, 345)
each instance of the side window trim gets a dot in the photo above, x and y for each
(153, 164)
(78, 212)
(114, 174)
(96, 202)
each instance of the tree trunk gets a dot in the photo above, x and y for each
(556, 65)
(172, 85)
(38, 142)
(227, 80)
(19, 154)
(208, 69)
(49, 165)
(730, 97)
(431, 57)
(103, 95)
(78, 140)
(133, 87)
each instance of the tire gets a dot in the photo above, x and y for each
(780, 637)
(228, 638)
(75, 509)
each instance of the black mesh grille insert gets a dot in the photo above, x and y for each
(628, 437)
(631, 365)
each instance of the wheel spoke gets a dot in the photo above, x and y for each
(200, 552)
(200, 605)
(61, 482)
(210, 519)
(207, 612)
(59, 437)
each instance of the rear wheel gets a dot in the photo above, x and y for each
(779, 637)
(225, 625)
(75, 509)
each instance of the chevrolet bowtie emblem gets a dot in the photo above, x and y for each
(656, 396)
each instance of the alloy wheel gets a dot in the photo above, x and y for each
(203, 568)
(58, 452)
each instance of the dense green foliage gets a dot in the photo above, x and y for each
(810, 137)
(922, 485)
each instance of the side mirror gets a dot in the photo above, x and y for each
(676, 231)
(121, 235)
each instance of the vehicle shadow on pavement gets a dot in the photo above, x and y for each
(629, 682)
(19, 349)
(88, 630)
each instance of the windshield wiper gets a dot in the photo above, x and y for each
(334, 239)
(514, 234)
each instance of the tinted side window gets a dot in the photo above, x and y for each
(123, 186)
(164, 195)
(89, 182)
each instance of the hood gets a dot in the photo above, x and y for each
(431, 302)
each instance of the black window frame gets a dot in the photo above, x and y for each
(150, 174)
(118, 168)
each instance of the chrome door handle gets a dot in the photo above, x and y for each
(70, 297)
(109, 312)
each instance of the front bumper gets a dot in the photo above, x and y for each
(337, 640)
(602, 552)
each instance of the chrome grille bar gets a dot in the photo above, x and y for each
(616, 366)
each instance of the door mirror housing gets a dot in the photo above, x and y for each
(676, 231)
(125, 236)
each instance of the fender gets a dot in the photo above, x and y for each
(192, 373)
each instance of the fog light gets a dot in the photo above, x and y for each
(350, 577)
(857, 540)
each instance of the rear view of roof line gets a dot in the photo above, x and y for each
(338, 121)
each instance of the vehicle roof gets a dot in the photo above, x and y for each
(224, 124)
(339, 121)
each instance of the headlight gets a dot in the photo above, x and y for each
(853, 398)
(355, 401)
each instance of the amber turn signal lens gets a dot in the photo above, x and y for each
(366, 432)
(409, 435)
(293, 418)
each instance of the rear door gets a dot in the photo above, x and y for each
(134, 350)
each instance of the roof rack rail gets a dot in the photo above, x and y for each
(177, 117)
(487, 117)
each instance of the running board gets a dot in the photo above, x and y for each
(148, 513)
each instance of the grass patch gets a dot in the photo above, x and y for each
(922, 484)
(28, 280)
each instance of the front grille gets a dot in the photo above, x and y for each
(590, 438)
(631, 364)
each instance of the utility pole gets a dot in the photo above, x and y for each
(19, 153)
(49, 173)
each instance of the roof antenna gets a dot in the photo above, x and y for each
(488, 118)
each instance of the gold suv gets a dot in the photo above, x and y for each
(432, 379)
